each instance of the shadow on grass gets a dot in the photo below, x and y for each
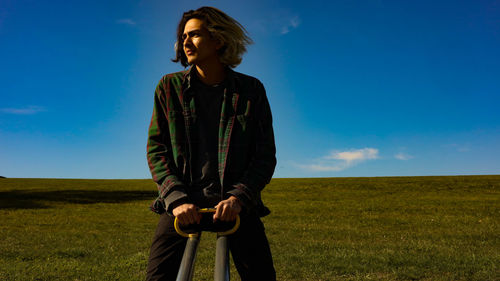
(25, 199)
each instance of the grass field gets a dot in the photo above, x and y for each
(401, 228)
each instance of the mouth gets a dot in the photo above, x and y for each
(189, 52)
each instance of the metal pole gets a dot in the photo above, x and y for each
(221, 272)
(186, 269)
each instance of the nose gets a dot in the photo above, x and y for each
(187, 40)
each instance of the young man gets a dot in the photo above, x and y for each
(211, 144)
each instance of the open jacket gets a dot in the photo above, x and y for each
(246, 149)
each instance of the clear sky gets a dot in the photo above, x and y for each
(357, 88)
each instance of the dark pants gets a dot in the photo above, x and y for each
(248, 245)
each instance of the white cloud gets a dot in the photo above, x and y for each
(292, 23)
(354, 155)
(126, 21)
(30, 110)
(341, 160)
(403, 156)
(325, 167)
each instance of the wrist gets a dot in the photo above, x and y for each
(235, 199)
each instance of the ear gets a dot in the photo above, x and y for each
(219, 44)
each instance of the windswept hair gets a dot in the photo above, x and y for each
(221, 27)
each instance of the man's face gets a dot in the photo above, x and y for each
(199, 46)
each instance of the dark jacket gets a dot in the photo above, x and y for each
(246, 149)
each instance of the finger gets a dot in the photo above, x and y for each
(218, 211)
(192, 214)
(235, 210)
(226, 213)
(233, 215)
(197, 215)
(187, 218)
(181, 219)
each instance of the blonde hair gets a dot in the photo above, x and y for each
(221, 27)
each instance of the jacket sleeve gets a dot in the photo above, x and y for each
(160, 156)
(263, 161)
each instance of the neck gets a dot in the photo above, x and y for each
(211, 74)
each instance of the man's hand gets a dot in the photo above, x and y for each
(228, 209)
(187, 214)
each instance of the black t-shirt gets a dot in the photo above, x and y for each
(208, 102)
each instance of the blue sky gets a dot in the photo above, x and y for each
(357, 88)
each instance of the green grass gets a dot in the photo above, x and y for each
(401, 228)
